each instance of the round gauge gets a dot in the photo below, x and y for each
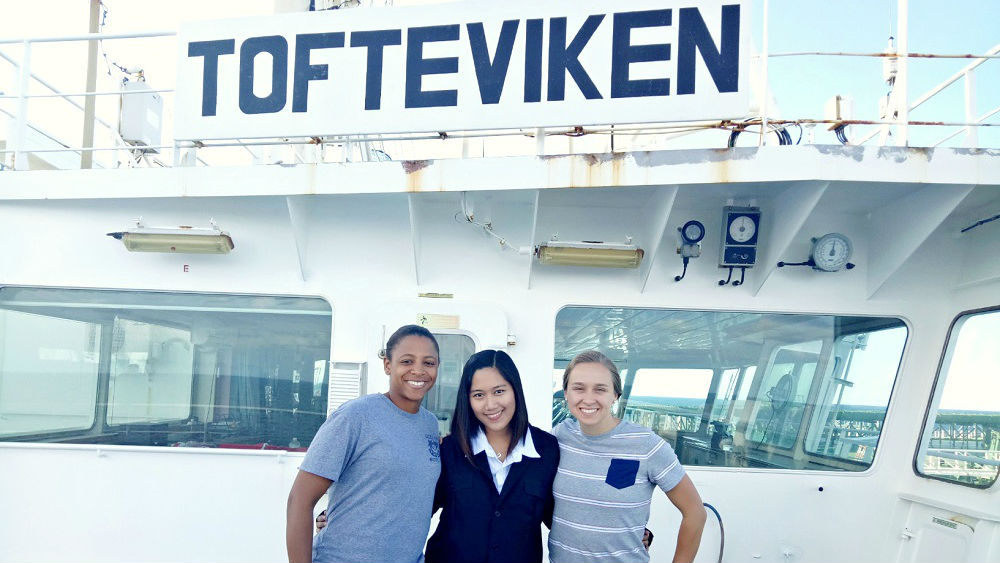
(693, 232)
(831, 252)
(742, 228)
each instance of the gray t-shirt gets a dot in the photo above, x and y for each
(384, 463)
(603, 489)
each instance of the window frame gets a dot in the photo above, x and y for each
(766, 352)
(56, 438)
(101, 382)
(934, 400)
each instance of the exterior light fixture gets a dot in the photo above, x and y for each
(181, 240)
(589, 253)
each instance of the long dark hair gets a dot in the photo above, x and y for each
(464, 423)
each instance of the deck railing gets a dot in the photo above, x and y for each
(50, 142)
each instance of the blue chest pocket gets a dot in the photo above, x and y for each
(622, 472)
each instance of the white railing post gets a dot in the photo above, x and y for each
(902, 76)
(185, 153)
(18, 131)
(971, 132)
(763, 79)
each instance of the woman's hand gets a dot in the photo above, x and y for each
(320, 521)
(306, 491)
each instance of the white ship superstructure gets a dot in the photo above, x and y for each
(813, 327)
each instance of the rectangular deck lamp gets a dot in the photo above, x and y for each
(181, 240)
(589, 253)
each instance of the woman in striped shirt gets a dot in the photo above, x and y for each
(607, 471)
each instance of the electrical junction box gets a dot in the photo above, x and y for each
(141, 120)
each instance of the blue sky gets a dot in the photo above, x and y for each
(802, 84)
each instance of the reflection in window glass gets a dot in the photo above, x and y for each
(738, 389)
(672, 399)
(963, 444)
(151, 373)
(162, 369)
(847, 422)
(48, 373)
(782, 397)
(726, 393)
(440, 400)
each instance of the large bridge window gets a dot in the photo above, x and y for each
(734, 389)
(961, 440)
(162, 369)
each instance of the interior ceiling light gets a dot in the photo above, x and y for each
(589, 253)
(185, 240)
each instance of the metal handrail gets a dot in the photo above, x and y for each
(51, 88)
(991, 54)
(979, 121)
(22, 96)
(85, 94)
(648, 129)
(88, 37)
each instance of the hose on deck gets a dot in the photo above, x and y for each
(722, 530)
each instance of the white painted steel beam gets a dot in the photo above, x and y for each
(903, 225)
(414, 236)
(658, 210)
(297, 219)
(782, 225)
(534, 234)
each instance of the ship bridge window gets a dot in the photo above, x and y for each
(162, 369)
(961, 437)
(735, 389)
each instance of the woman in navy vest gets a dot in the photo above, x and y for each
(495, 488)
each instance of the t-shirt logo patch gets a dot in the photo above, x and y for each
(433, 447)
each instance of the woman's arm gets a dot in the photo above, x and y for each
(306, 491)
(440, 492)
(549, 499)
(686, 498)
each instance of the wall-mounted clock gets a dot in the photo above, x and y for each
(741, 229)
(831, 252)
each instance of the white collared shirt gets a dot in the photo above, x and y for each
(498, 468)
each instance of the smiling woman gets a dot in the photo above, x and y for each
(495, 489)
(382, 453)
(411, 362)
(608, 469)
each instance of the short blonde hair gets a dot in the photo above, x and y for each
(595, 357)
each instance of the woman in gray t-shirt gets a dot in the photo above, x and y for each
(382, 452)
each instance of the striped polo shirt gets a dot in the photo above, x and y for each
(603, 489)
